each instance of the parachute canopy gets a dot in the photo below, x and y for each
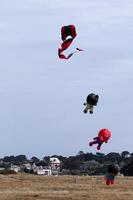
(104, 135)
(92, 99)
(68, 33)
(113, 169)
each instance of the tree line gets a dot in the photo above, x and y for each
(80, 164)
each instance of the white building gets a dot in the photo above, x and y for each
(45, 172)
(55, 163)
(15, 168)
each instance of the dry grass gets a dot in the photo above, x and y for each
(32, 187)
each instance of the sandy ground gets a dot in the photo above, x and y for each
(33, 187)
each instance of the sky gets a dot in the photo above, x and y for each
(41, 96)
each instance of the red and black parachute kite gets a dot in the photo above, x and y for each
(66, 31)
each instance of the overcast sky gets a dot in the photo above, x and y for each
(41, 96)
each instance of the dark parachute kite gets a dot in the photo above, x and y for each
(112, 172)
(68, 33)
(113, 168)
(91, 101)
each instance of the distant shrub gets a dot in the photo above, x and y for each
(75, 172)
(7, 171)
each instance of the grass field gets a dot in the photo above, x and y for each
(33, 187)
